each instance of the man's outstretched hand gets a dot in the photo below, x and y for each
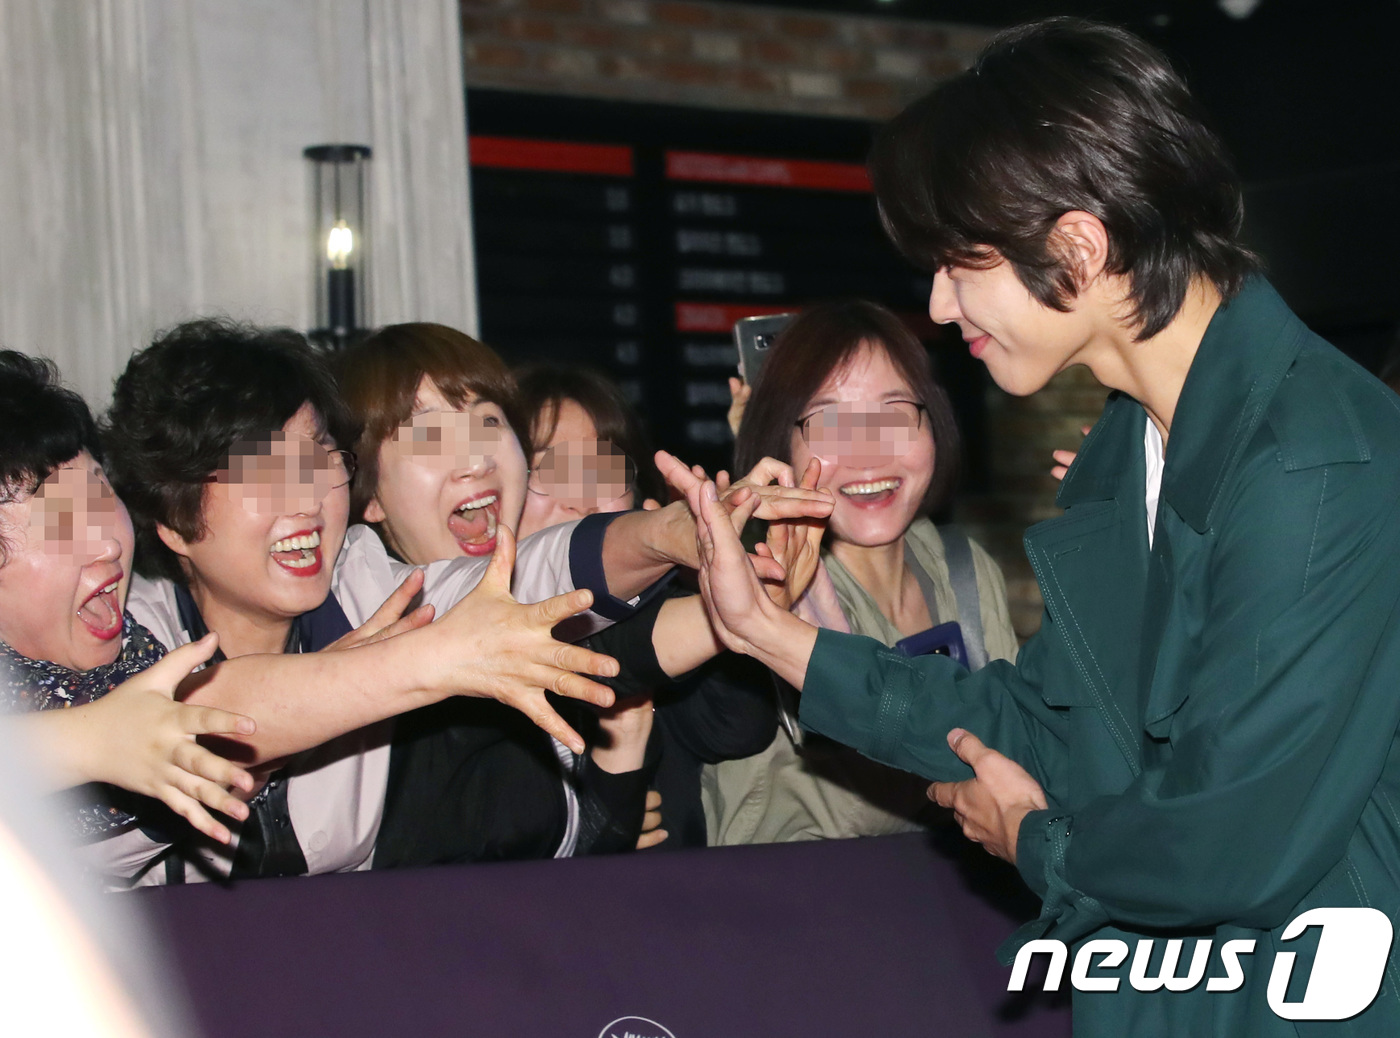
(991, 805)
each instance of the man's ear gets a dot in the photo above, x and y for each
(374, 511)
(172, 540)
(1082, 242)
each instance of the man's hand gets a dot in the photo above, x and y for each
(990, 806)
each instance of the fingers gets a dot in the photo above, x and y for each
(943, 793)
(722, 481)
(794, 503)
(176, 664)
(189, 809)
(544, 717)
(575, 686)
(742, 510)
(812, 475)
(653, 802)
(420, 617)
(579, 660)
(651, 837)
(768, 569)
(552, 610)
(206, 764)
(502, 565)
(968, 747)
(210, 720)
(650, 505)
(395, 604)
(682, 480)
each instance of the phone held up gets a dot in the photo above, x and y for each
(753, 336)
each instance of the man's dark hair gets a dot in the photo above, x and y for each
(1056, 116)
(545, 387)
(820, 341)
(181, 405)
(42, 425)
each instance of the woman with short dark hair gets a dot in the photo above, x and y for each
(232, 442)
(93, 685)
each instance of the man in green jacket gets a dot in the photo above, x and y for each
(1199, 745)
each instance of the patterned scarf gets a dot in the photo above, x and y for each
(27, 685)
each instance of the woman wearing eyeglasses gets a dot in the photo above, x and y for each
(849, 385)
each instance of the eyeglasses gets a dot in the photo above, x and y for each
(283, 475)
(862, 433)
(589, 472)
(449, 440)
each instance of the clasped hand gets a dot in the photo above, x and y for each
(991, 805)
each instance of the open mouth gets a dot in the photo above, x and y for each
(874, 492)
(473, 524)
(299, 553)
(102, 613)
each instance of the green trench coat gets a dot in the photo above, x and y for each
(1213, 719)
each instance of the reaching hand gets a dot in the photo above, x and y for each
(733, 593)
(389, 619)
(778, 494)
(796, 545)
(990, 806)
(141, 739)
(494, 647)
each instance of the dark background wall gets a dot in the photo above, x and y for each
(1306, 96)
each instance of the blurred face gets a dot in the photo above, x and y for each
(447, 478)
(575, 474)
(1023, 342)
(875, 446)
(274, 521)
(66, 570)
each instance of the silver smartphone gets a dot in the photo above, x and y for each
(753, 336)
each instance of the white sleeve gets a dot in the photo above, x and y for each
(366, 575)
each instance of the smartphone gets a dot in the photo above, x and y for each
(753, 336)
(943, 640)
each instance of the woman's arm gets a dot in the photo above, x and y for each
(487, 645)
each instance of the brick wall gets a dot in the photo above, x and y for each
(713, 55)
(1022, 431)
(726, 56)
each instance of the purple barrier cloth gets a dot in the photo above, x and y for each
(875, 936)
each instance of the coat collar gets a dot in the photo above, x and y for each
(1247, 349)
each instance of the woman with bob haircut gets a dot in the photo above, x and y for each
(98, 684)
(847, 383)
(1199, 744)
(445, 444)
(230, 444)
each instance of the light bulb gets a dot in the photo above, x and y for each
(340, 243)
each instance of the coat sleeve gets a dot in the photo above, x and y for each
(1274, 730)
(899, 711)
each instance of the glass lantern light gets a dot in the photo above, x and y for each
(340, 259)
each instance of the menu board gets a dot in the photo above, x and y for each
(628, 237)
